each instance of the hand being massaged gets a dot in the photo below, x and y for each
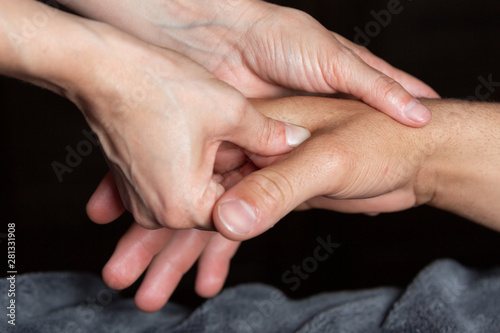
(356, 161)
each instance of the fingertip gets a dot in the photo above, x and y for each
(296, 135)
(105, 204)
(268, 137)
(150, 300)
(148, 305)
(114, 278)
(91, 209)
(209, 286)
(262, 198)
(211, 276)
(417, 113)
(235, 219)
(96, 212)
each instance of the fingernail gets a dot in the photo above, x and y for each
(237, 216)
(417, 112)
(295, 135)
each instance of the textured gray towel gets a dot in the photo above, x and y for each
(445, 297)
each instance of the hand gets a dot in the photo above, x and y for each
(159, 116)
(356, 161)
(167, 253)
(354, 154)
(160, 119)
(266, 51)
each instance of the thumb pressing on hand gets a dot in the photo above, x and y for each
(261, 199)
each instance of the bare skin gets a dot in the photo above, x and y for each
(136, 96)
(357, 161)
(265, 50)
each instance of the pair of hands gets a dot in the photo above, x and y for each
(357, 160)
(162, 125)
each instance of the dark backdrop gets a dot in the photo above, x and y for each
(448, 44)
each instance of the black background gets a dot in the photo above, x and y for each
(447, 44)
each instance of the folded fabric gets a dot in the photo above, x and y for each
(444, 297)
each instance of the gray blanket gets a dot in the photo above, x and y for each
(444, 297)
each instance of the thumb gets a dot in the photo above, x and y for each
(261, 135)
(262, 198)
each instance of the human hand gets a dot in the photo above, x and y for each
(160, 119)
(159, 116)
(266, 50)
(361, 161)
(356, 161)
(166, 254)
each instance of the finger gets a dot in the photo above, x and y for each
(168, 267)
(132, 255)
(105, 204)
(213, 265)
(229, 157)
(263, 197)
(265, 136)
(414, 86)
(354, 76)
(232, 177)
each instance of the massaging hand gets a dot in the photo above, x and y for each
(160, 118)
(266, 50)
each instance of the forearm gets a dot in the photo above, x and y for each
(42, 45)
(464, 168)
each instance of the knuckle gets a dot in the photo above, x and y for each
(236, 108)
(296, 16)
(268, 134)
(189, 213)
(202, 204)
(361, 52)
(292, 17)
(173, 211)
(387, 88)
(146, 221)
(338, 162)
(272, 189)
(171, 217)
(241, 107)
(344, 53)
(341, 60)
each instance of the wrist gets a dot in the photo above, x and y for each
(464, 163)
